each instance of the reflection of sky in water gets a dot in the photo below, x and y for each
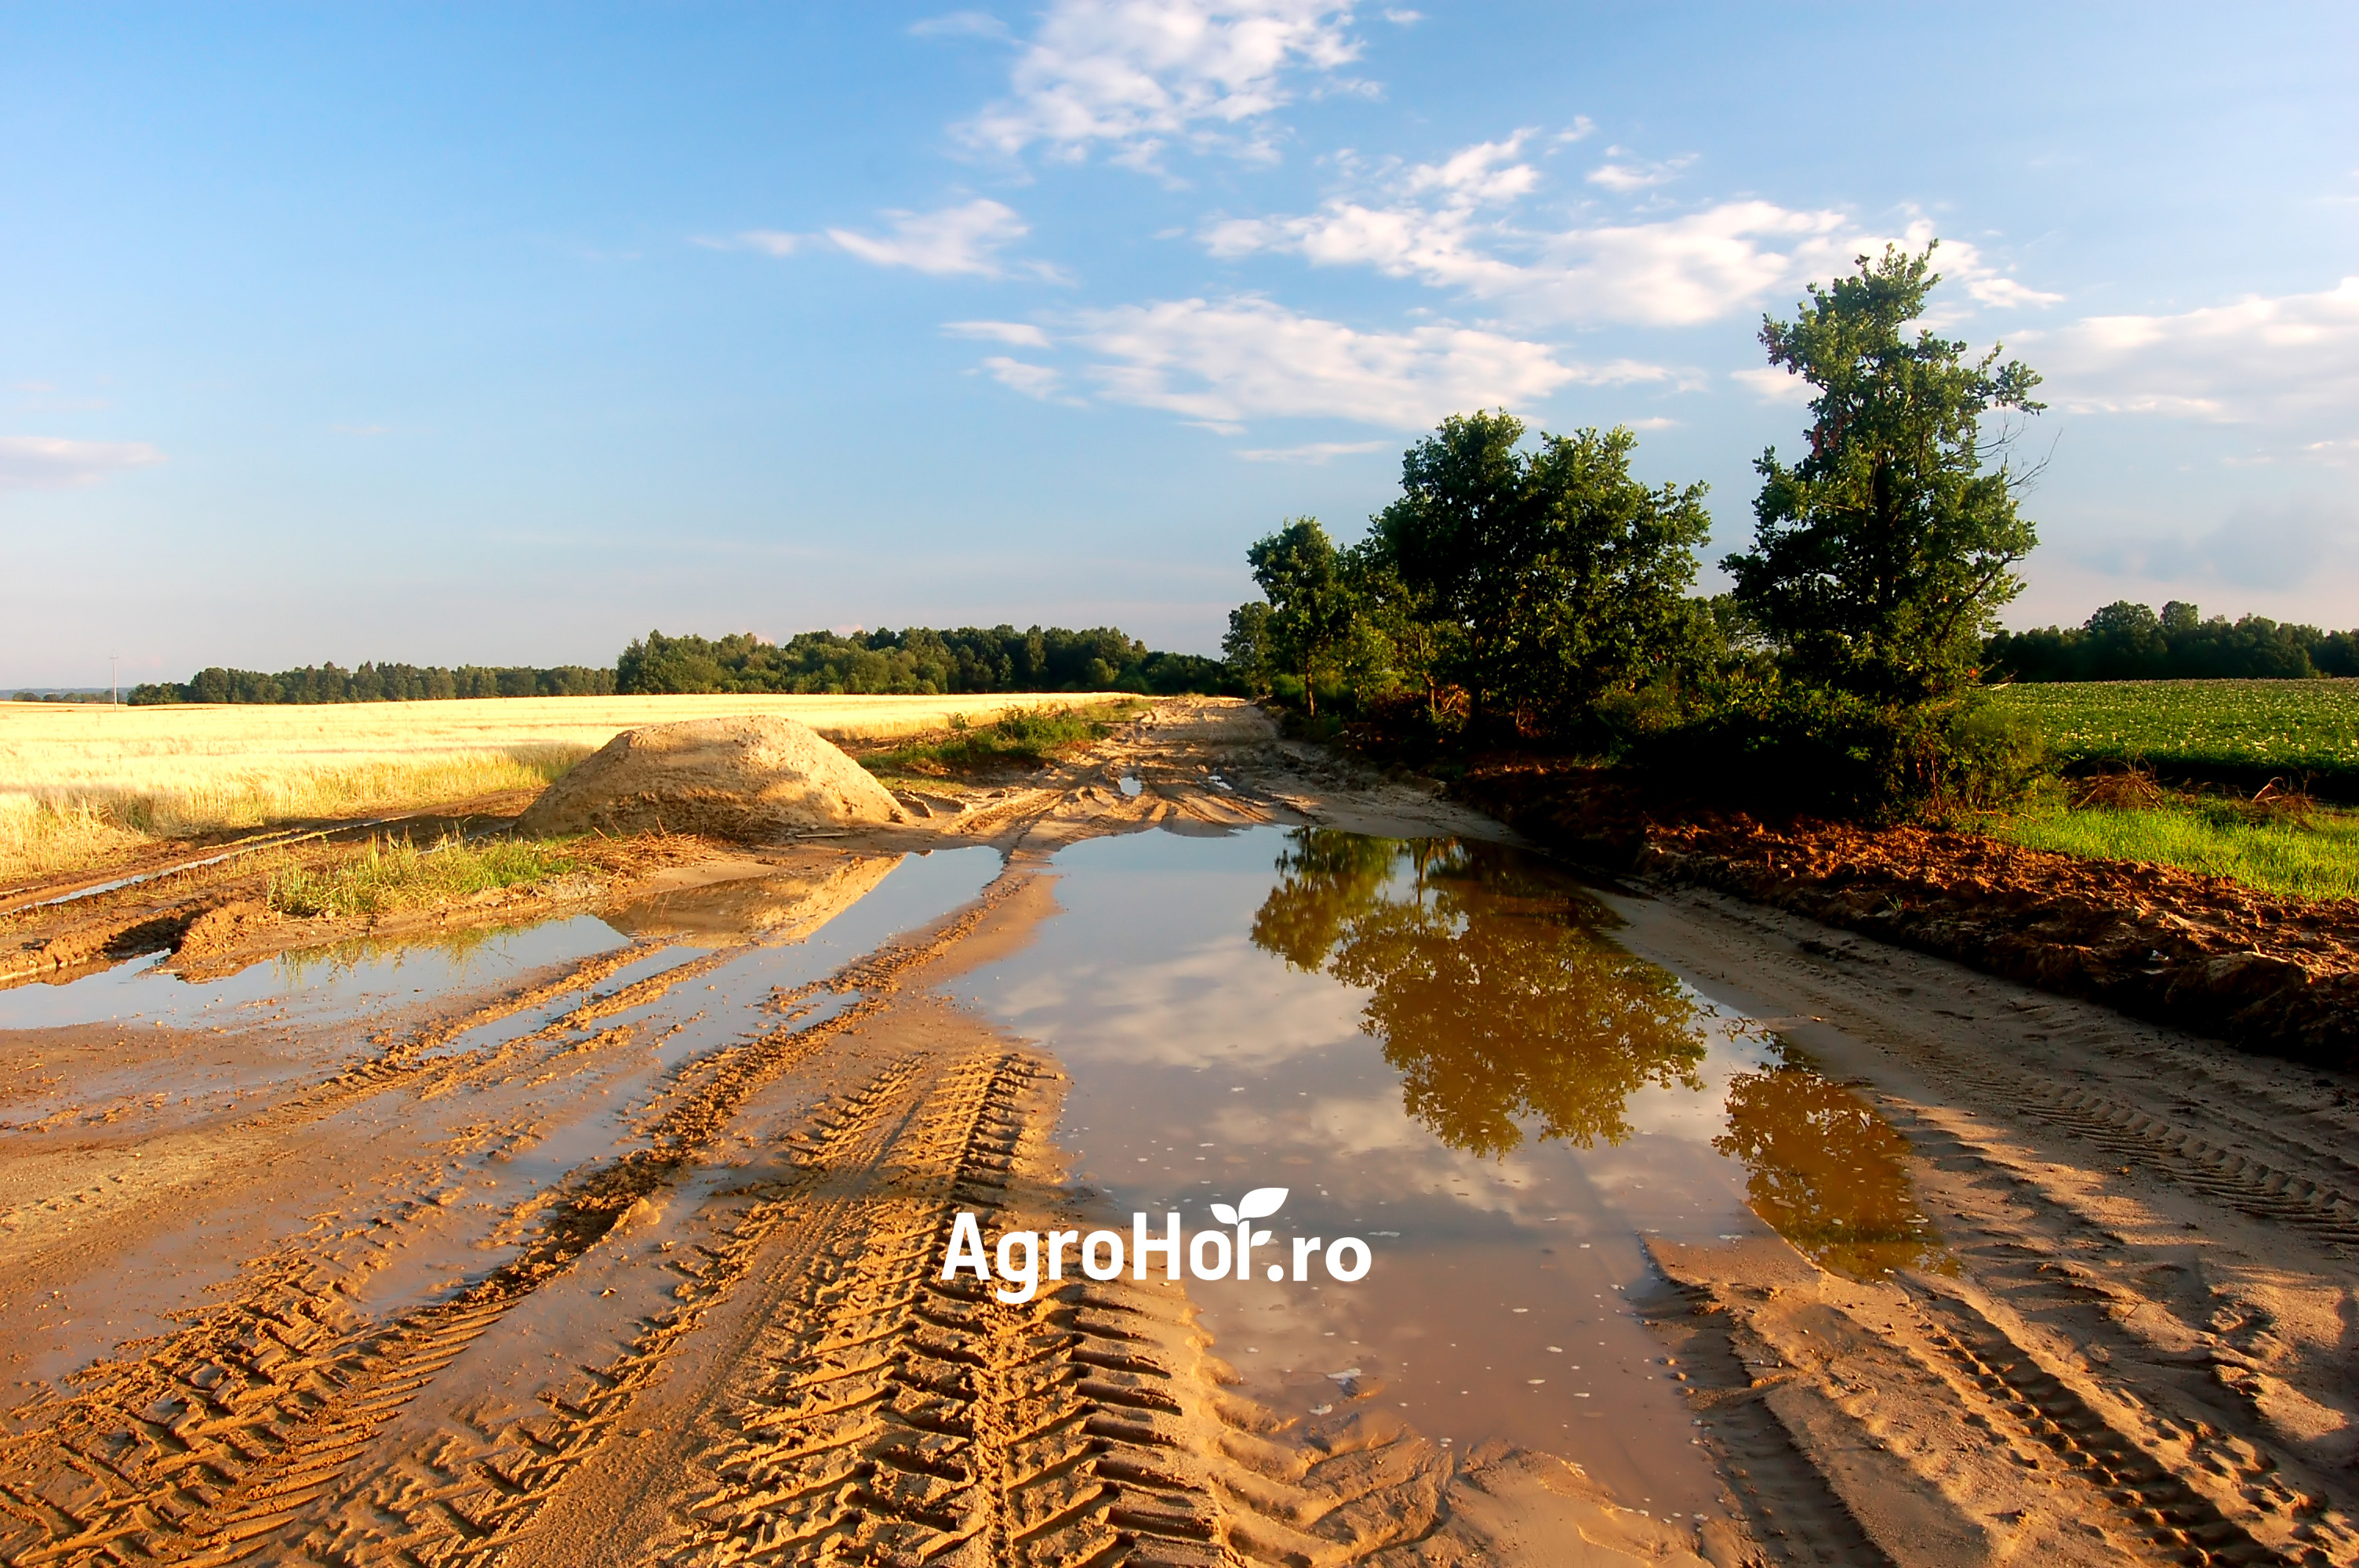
(338, 980)
(354, 979)
(1204, 1063)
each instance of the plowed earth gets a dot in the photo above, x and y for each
(469, 1281)
(2205, 953)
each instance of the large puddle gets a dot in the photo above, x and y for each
(1431, 1046)
(1437, 1046)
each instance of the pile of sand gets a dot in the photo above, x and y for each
(750, 777)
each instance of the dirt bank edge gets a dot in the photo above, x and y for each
(2268, 974)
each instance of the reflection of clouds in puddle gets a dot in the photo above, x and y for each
(1218, 1001)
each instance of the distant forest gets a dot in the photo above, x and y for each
(920, 662)
(377, 683)
(2130, 641)
(2121, 642)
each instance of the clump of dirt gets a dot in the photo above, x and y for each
(2265, 972)
(750, 778)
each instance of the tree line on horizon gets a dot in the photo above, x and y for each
(918, 661)
(2129, 642)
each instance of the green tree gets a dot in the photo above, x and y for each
(1880, 560)
(1244, 648)
(1555, 575)
(1311, 617)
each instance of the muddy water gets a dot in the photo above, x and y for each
(278, 1022)
(1438, 1048)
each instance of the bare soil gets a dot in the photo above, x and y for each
(715, 1337)
(2203, 953)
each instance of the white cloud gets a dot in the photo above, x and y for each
(1774, 383)
(1317, 453)
(1249, 358)
(2295, 358)
(954, 240)
(1451, 225)
(1031, 380)
(1401, 16)
(1139, 75)
(1021, 334)
(1630, 175)
(50, 462)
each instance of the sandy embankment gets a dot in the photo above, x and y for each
(706, 1329)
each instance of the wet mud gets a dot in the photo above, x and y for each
(614, 1233)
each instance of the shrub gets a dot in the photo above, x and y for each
(1782, 745)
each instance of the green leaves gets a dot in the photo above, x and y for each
(1880, 560)
(1312, 614)
(1557, 576)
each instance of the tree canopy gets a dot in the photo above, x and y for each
(1553, 575)
(1312, 616)
(1880, 559)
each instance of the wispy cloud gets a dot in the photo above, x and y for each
(1774, 383)
(1632, 174)
(2291, 357)
(771, 242)
(966, 239)
(959, 24)
(1031, 380)
(2275, 547)
(1317, 453)
(1022, 334)
(1453, 226)
(1138, 76)
(1246, 358)
(50, 462)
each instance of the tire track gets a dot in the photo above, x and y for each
(1787, 1503)
(2050, 1427)
(198, 1446)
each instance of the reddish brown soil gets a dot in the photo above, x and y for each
(2268, 973)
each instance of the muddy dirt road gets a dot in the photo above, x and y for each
(617, 1237)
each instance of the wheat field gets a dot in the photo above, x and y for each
(84, 782)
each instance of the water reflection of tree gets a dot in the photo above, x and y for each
(1495, 997)
(1826, 1172)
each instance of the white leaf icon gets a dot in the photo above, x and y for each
(1261, 1202)
(1261, 1238)
(1224, 1214)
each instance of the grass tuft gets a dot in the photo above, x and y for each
(2312, 853)
(1019, 738)
(394, 873)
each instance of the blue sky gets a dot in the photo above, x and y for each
(501, 334)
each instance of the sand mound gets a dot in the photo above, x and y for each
(751, 777)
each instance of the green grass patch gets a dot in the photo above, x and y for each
(1019, 737)
(2295, 727)
(394, 873)
(2311, 855)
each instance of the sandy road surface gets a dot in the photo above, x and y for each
(629, 1258)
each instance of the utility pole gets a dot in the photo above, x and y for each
(113, 681)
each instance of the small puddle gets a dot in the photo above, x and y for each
(343, 981)
(1437, 1046)
(588, 1113)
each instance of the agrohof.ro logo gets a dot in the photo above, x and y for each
(1211, 1254)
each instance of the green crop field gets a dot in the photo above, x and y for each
(2246, 726)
